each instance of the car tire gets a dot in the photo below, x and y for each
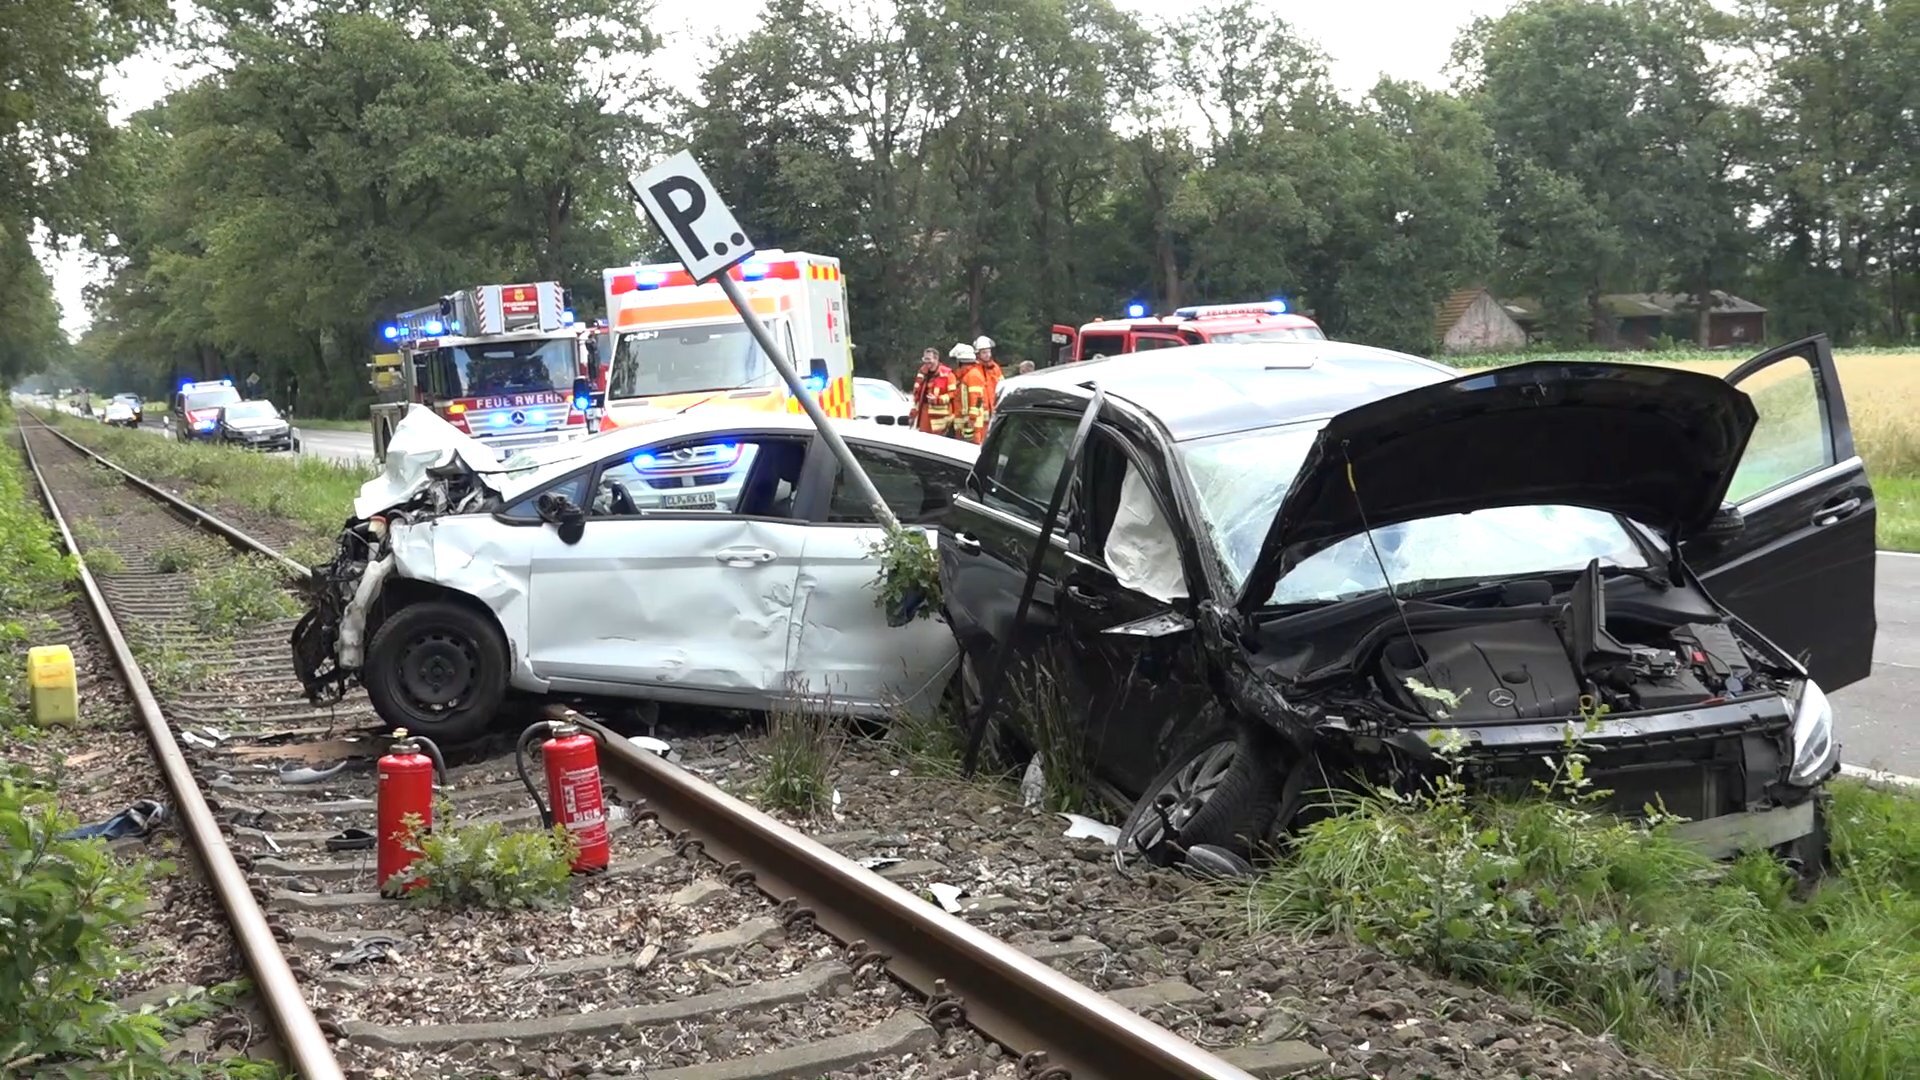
(1227, 788)
(439, 669)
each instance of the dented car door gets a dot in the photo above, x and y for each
(694, 597)
(843, 645)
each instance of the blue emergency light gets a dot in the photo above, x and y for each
(583, 402)
(1136, 310)
(754, 270)
(649, 279)
(1277, 306)
(816, 383)
(435, 326)
(390, 332)
(566, 318)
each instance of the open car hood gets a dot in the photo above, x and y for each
(423, 446)
(1655, 444)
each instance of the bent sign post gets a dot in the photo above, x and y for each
(683, 205)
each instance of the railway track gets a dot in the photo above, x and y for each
(720, 944)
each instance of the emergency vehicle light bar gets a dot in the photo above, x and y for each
(640, 280)
(1276, 306)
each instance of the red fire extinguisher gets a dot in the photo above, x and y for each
(573, 787)
(405, 789)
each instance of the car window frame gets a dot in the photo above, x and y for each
(806, 490)
(1839, 448)
(981, 486)
(836, 472)
(1159, 481)
(810, 446)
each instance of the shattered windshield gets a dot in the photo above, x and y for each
(511, 367)
(1242, 477)
(714, 356)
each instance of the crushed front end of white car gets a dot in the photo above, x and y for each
(461, 577)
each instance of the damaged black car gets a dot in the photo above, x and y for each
(1243, 566)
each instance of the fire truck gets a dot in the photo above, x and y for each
(1269, 320)
(496, 361)
(674, 344)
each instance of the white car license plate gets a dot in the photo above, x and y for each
(690, 500)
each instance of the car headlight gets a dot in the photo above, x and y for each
(1812, 735)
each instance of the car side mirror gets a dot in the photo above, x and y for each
(1728, 522)
(557, 510)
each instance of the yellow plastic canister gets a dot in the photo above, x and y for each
(56, 692)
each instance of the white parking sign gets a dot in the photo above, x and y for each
(683, 205)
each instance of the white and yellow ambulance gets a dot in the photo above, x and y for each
(672, 344)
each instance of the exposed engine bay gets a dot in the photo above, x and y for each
(1519, 652)
(330, 639)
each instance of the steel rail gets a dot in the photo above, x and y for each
(1007, 995)
(301, 1039)
(200, 517)
(1011, 997)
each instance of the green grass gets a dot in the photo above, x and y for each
(806, 735)
(34, 573)
(312, 494)
(1719, 970)
(1898, 499)
(238, 593)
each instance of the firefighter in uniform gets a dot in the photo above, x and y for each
(973, 402)
(933, 389)
(989, 367)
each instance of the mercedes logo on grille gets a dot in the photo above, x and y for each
(1500, 697)
(519, 417)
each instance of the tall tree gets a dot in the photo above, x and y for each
(1612, 139)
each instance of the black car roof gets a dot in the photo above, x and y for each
(1201, 390)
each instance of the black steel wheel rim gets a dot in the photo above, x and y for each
(438, 670)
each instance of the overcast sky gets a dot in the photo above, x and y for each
(1407, 39)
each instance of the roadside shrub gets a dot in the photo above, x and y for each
(105, 560)
(177, 555)
(239, 593)
(930, 742)
(1719, 969)
(60, 903)
(484, 866)
(805, 737)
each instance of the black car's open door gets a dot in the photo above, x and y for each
(1800, 569)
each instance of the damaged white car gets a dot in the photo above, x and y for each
(717, 558)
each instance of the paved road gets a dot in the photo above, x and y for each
(349, 446)
(341, 446)
(1875, 717)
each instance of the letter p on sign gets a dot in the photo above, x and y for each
(683, 205)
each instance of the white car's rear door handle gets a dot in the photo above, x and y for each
(744, 556)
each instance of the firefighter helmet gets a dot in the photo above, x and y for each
(962, 352)
(983, 342)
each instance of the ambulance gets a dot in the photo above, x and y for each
(674, 345)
